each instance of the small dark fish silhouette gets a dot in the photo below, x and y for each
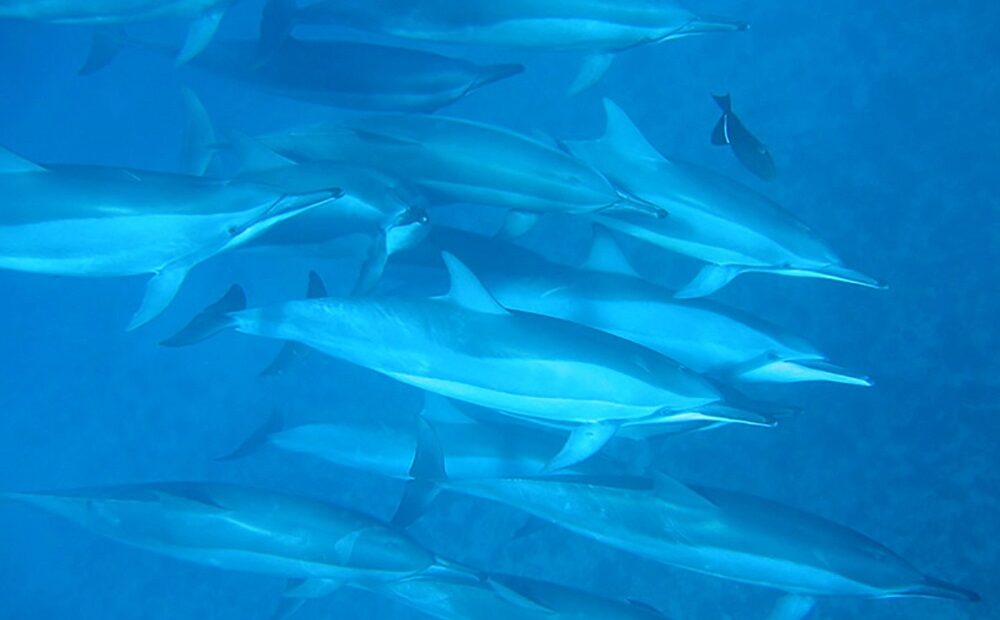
(748, 149)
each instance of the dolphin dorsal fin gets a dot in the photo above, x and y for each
(621, 134)
(606, 255)
(675, 492)
(466, 289)
(11, 162)
(254, 155)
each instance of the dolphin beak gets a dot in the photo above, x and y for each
(707, 24)
(802, 370)
(935, 588)
(840, 273)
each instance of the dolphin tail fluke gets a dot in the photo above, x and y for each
(105, 45)
(293, 354)
(591, 72)
(584, 442)
(725, 102)
(211, 320)
(274, 424)
(427, 471)
(160, 291)
(792, 607)
(710, 279)
(496, 73)
(276, 23)
(936, 588)
(200, 34)
(720, 134)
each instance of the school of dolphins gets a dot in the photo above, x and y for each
(531, 369)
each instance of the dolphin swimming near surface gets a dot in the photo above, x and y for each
(722, 533)
(712, 218)
(749, 150)
(106, 222)
(345, 74)
(599, 28)
(452, 161)
(206, 16)
(468, 347)
(604, 293)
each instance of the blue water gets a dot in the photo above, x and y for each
(882, 122)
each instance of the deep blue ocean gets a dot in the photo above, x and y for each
(881, 119)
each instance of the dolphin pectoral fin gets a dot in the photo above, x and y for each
(584, 442)
(200, 34)
(516, 224)
(593, 69)
(275, 423)
(373, 266)
(104, 47)
(496, 73)
(710, 279)
(211, 320)
(606, 255)
(792, 607)
(160, 291)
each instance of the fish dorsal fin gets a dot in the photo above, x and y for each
(623, 136)
(11, 163)
(606, 256)
(466, 289)
(675, 492)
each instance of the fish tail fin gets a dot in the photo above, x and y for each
(274, 424)
(495, 73)
(725, 102)
(199, 145)
(427, 470)
(211, 320)
(293, 354)
(276, 23)
(105, 45)
(936, 588)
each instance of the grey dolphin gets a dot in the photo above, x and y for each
(749, 150)
(600, 28)
(105, 222)
(605, 294)
(714, 219)
(721, 533)
(468, 347)
(454, 161)
(206, 15)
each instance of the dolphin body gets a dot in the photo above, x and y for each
(468, 347)
(600, 28)
(451, 161)
(106, 222)
(604, 293)
(344, 74)
(510, 598)
(713, 218)
(316, 545)
(206, 16)
(721, 533)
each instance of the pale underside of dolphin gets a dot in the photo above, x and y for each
(712, 218)
(467, 347)
(205, 15)
(599, 28)
(721, 533)
(107, 222)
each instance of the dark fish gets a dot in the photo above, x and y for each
(748, 149)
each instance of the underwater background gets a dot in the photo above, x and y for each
(882, 121)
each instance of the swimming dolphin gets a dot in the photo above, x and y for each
(206, 16)
(317, 545)
(510, 598)
(452, 161)
(468, 347)
(600, 28)
(713, 218)
(750, 151)
(716, 532)
(106, 222)
(604, 293)
(344, 74)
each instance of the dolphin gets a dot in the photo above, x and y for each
(510, 598)
(451, 161)
(468, 347)
(749, 150)
(716, 532)
(345, 74)
(205, 15)
(599, 28)
(317, 545)
(604, 293)
(713, 219)
(105, 222)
